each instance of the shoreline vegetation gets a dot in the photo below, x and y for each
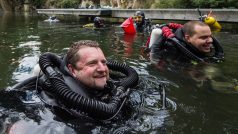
(32, 5)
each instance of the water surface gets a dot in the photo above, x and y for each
(201, 98)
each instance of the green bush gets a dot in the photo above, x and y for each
(195, 4)
(69, 3)
(147, 4)
(38, 3)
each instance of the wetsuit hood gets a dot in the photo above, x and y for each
(142, 14)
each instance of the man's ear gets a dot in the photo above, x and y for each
(71, 70)
(187, 37)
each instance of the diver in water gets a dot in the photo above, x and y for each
(192, 41)
(78, 88)
(98, 22)
(52, 19)
(142, 24)
(80, 83)
(187, 49)
(137, 23)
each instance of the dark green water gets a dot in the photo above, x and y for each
(201, 98)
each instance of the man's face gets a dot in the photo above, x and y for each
(202, 39)
(138, 19)
(91, 69)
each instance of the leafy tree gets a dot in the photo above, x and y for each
(38, 3)
(69, 3)
(195, 4)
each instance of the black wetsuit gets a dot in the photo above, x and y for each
(145, 26)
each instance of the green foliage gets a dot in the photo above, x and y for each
(215, 3)
(145, 4)
(38, 3)
(68, 3)
(173, 4)
(200, 3)
(184, 3)
(195, 4)
(167, 3)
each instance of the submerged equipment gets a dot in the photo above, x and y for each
(80, 102)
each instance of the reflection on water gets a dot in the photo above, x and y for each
(199, 99)
(29, 60)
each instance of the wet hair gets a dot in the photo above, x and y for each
(72, 55)
(189, 27)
